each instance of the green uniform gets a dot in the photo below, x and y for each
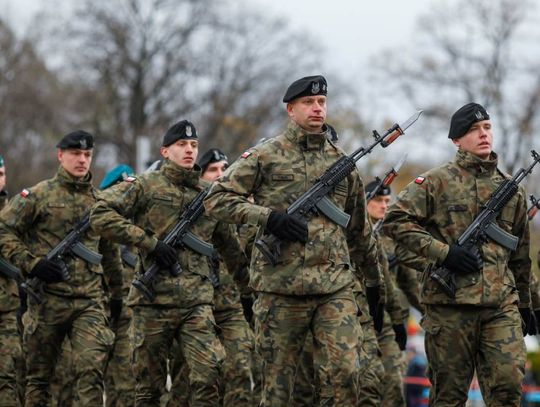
(481, 327)
(311, 286)
(182, 309)
(31, 225)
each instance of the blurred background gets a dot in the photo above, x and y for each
(125, 70)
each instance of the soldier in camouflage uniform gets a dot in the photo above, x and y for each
(393, 336)
(10, 344)
(182, 308)
(119, 379)
(32, 224)
(234, 331)
(481, 328)
(310, 289)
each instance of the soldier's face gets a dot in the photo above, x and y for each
(378, 206)
(2, 177)
(478, 140)
(76, 162)
(183, 152)
(215, 170)
(309, 112)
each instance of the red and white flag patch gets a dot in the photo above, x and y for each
(246, 154)
(25, 193)
(419, 180)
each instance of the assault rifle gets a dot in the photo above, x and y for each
(315, 199)
(179, 236)
(10, 271)
(484, 227)
(533, 210)
(69, 246)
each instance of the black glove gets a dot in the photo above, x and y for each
(401, 335)
(528, 321)
(287, 227)
(460, 260)
(164, 255)
(376, 308)
(115, 306)
(47, 271)
(247, 306)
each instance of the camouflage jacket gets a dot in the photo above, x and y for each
(433, 211)
(3, 199)
(39, 218)
(155, 201)
(276, 173)
(409, 267)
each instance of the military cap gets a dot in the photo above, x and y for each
(117, 174)
(183, 130)
(78, 139)
(1, 161)
(464, 118)
(307, 86)
(383, 190)
(213, 155)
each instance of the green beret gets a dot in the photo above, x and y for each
(464, 118)
(307, 86)
(183, 130)
(79, 139)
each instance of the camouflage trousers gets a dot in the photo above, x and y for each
(236, 376)
(305, 393)
(462, 338)
(152, 332)
(62, 383)
(84, 321)
(392, 359)
(371, 379)
(281, 325)
(10, 355)
(119, 379)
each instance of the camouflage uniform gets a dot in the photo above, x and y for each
(33, 223)
(311, 287)
(406, 273)
(3, 199)
(481, 327)
(182, 309)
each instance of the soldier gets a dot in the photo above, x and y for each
(119, 379)
(10, 344)
(234, 331)
(310, 289)
(3, 191)
(393, 336)
(35, 221)
(481, 327)
(182, 308)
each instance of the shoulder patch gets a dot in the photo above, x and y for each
(25, 192)
(419, 180)
(130, 178)
(246, 154)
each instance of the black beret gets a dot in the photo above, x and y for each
(183, 130)
(307, 86)
(464, 118)
(213, 155)
(383, 190)
(79, 139)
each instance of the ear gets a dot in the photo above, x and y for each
(164, 151)
(290, 109)
(59, 155)
(456, 142)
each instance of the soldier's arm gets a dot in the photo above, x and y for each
(407, 276)
(227, 242)
(406, 219)
(16, 220)
(362, 244)
(227, 200)
(110, 216)
(535, 292)
(392, 305)
(520, 261)
(112, 267)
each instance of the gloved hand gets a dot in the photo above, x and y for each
(376, 307)
(401, 335)
(164, 255)
(528, 321)
(287, 227)
(115, 306)
(247, 306)
(460, 260)
(47, 271)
